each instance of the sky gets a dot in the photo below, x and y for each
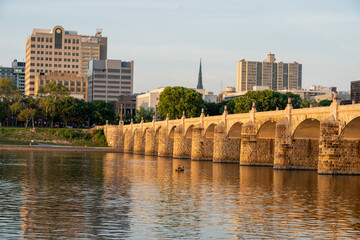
(167, 38)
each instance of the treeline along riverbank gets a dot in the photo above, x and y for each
(39, 136)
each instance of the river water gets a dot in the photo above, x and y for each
(54, 195)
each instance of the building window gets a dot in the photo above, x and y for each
(113, 76)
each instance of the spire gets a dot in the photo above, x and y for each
(200, 85)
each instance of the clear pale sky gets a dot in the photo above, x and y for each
(167, 38)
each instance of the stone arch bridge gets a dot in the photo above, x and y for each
(326, 139)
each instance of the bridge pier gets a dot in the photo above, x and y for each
(329, 149)
(248, 152)
(114, 136)
(150, 142)
(166, 142)
(283, 145)
(128, 141)
(225, 149)
(182, 145)
(139, 141)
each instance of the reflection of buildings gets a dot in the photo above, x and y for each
(67, 194)
(116, 195)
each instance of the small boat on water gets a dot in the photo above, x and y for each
(180, 169)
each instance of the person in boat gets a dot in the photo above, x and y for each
(180, 169)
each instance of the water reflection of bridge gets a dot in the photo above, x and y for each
(326, 139)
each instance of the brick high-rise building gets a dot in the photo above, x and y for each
(57, 49)
(275, 75)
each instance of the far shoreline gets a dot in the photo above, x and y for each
(58, 148)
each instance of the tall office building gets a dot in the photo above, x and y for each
(275, 75)
(19, 75)
(108, 79)
(57, 49)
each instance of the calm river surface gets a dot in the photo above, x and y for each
(122, 196)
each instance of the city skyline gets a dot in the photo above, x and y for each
(167, 39)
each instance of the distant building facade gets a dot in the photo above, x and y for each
(128, 104)
(76, 85)
(109, 79)
(355, 91)
(57, 49)
(275, 75)
(7, 72)
(19, 75)
(149, 100)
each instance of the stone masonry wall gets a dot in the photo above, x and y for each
(150, 142)
(128, 141)
(197, 145)
(182, 145)
(305, 154)
(165, 146)
(114, 136)
(248, 154)
(139, 142)
(225, 149)
(208, 148)
(265, 151)
(349, 161)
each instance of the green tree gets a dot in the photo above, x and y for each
(82, 113)
(324, 103)
(212, 108)
(50, 99)
(147, 115)
(265, 101)
(8, 91)
(175, 100)
(26, 115)
(306, 103)
(4, 110)
(295, 100)
(102, 111)
(67, 108)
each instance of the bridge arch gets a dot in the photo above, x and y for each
(172, 132)
(351, 130)
(305, 145)
(209, 131)
(235, 131)
(188, 132)
(267, 130)
(307, 129)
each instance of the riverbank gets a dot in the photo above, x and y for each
(68, 137)
(57, 148)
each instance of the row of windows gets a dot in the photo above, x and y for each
(74, 41)
(104, 86)
(41, 39)
(112, 76)
(40, 46)
(73, 48)
(55, 53)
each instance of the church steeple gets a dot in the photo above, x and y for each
(200, 85)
